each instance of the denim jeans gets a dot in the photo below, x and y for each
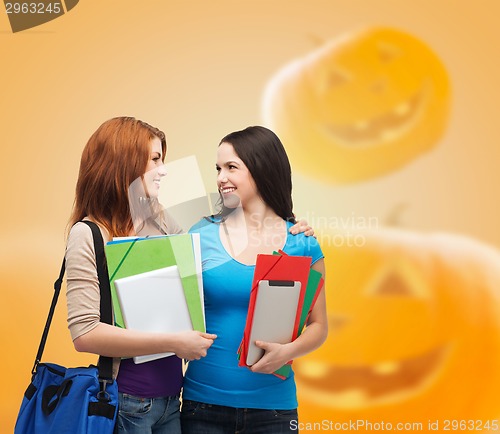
(148, 415)
(200, 418)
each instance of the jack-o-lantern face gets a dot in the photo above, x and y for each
(360, 106)
(382, 370)
(414, 332)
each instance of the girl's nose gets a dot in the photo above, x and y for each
(162, 170)
(221, 177)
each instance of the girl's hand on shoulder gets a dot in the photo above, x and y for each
(302, 226)
(275, 356)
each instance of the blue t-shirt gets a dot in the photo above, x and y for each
(217, 378)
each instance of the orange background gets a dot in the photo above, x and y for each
(197, 70)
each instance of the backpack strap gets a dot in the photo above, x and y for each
(105, 364)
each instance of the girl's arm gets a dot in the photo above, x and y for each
(111, 341)
(276, 355)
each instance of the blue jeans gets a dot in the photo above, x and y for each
(148, 415)
(200, 418)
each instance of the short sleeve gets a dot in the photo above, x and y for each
(302, 245)
(313, 249)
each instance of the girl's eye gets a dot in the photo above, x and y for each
(232, 167)
(217, 168)
(155, 159)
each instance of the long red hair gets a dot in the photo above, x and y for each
(115, 155)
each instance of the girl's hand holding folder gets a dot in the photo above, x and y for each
(193, 345)
(275, 356)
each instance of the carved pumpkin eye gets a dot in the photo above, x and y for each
(398, 279)
(388, 52)
(394, 284)
(329, 80)
(338, 77)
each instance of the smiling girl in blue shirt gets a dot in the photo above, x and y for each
(254, 181)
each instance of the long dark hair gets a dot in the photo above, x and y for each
(265, 157)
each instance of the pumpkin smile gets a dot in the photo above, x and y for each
(359, 386)
(387, 127)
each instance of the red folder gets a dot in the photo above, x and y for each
(275, 267)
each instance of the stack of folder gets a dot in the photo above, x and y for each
(156, 284)
(284, 291)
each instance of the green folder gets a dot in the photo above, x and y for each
(130, 257)
(309, 297)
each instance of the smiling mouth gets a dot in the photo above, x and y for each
(227, 190)
(360, 386)
(380, 129)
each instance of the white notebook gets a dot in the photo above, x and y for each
(154, 302)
